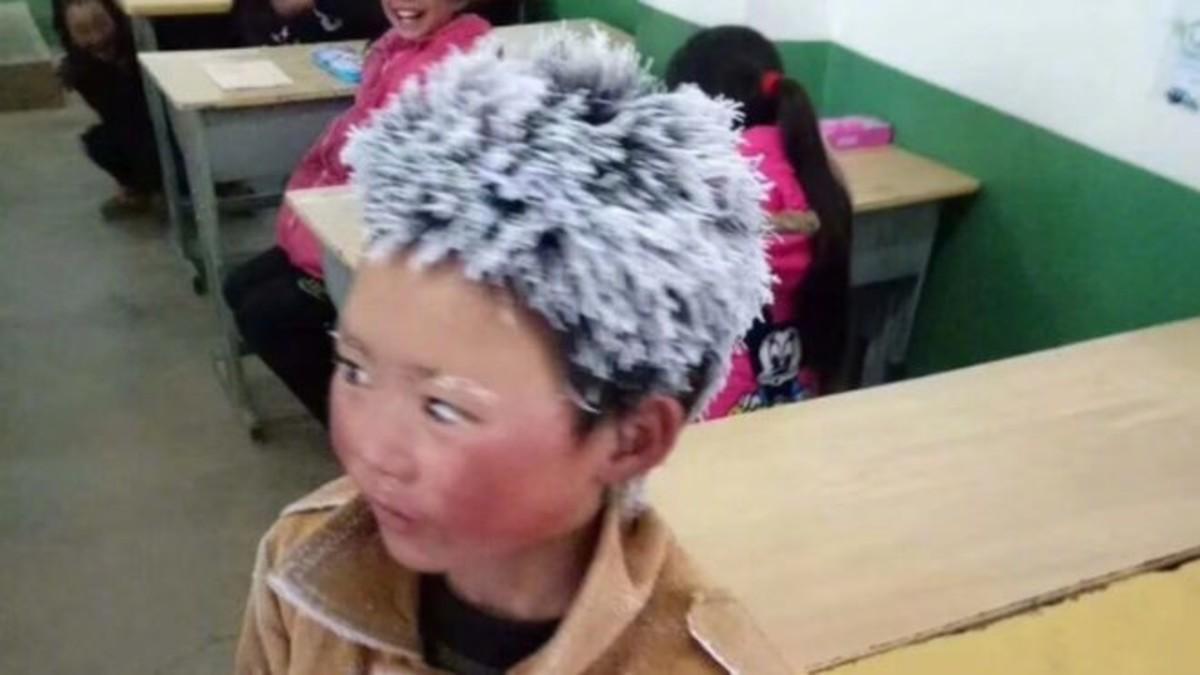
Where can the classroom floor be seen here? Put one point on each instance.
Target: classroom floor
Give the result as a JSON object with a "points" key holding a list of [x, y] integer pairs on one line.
{"points": [[130, 498]]}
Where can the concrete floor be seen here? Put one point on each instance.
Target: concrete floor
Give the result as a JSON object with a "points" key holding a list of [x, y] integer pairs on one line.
{"points": [[130, 498]]}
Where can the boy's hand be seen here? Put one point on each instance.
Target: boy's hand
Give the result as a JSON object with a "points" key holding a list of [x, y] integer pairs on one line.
{"points": [[291, 8]]}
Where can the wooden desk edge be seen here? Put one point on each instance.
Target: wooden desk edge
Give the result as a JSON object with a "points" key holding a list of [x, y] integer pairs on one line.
{"points": [[151, 62], [1019, 608], [156, 10], [265, 101], [957, 183], [968, 187], [299, 200]]}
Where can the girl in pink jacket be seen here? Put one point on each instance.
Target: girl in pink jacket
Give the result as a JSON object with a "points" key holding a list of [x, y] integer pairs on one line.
{"points": [[278, 299], [796, 349]]}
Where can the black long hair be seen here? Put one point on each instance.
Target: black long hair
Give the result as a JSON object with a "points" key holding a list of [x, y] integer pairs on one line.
{"points": [[731, 61], [124, 33]]}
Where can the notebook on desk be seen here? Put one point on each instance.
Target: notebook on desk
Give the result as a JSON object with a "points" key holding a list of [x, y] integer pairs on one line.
{"points": [[239, 75]]}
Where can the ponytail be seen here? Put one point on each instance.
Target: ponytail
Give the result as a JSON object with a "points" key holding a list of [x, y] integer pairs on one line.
{"points": [[823, 299], [741, 64]]}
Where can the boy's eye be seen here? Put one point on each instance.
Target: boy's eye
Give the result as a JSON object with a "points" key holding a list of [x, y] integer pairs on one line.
{"points": [[351, 373], [444, 413]]}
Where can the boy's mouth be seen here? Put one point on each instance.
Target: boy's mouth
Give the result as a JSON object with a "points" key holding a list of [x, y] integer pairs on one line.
{"points": [[390, 518]]}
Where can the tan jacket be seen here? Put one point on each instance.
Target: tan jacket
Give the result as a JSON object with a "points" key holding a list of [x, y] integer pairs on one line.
{"points": [[327, 600]]}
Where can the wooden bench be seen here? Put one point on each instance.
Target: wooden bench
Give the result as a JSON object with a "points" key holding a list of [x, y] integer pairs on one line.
{"points": [[27, 77]]}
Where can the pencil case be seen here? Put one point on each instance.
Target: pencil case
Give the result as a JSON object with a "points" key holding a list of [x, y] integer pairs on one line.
{"points": [[846, 133], [344, 65]]}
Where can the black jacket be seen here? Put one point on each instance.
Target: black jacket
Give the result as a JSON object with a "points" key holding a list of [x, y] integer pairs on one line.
{"points": [[113, 90]]}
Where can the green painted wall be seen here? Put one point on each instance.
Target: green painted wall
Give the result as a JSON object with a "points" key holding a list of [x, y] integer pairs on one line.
{"points": [[659, 34], [624, 14], [41, 10], [1064, 244]]}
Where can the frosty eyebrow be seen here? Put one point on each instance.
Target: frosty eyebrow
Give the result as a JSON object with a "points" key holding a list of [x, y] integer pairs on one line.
{"points": [[348, 340]]}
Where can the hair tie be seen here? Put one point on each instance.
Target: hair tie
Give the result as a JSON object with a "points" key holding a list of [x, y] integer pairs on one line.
{"points": [[770, 83]]}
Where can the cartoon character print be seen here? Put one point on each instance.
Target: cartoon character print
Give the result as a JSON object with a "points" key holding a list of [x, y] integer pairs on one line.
{"points": [[776, 354]]}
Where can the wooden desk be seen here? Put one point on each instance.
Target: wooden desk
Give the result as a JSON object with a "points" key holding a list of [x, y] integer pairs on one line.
{"points": [[891, 177], [854, 524], [182, 78], [897, 199], [878, 179], [159, 8], [238, 135], [142, 14], [896, 195]]}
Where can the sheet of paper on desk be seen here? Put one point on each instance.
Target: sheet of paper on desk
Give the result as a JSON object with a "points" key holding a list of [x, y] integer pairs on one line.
{"points": [[233, 75]]}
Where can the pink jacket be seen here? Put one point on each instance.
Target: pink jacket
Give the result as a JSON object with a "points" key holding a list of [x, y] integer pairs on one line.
{"points": [[766, 370], [390, 63]]}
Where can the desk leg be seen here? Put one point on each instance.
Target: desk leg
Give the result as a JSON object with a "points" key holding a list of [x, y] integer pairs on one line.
{"points": [[923, 224], [181, 234], [891, 255], [191, 127]]}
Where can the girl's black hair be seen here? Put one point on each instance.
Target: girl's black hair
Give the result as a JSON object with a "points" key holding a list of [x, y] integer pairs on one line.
{"points": [[124, 33], [730, 61]]}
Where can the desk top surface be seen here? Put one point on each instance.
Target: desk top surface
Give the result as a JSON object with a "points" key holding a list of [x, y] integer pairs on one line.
{"points": [[153, 8], [182, 78], [890, 177], [879, 179], [857, 523]]}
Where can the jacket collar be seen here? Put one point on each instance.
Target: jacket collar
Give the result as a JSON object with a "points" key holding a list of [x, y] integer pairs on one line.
{"points": [[342, 578]]}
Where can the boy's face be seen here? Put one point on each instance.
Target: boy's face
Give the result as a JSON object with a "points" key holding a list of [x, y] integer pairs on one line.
{"points": [[92, 29], [449, 411], [415, 19]]}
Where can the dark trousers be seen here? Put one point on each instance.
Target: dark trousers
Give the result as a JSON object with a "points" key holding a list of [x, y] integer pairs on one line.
{"points": [[285, 317], [128, 155]]}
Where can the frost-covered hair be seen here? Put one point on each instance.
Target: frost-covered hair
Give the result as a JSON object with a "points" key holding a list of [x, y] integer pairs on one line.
{"points": [[619, 212]]}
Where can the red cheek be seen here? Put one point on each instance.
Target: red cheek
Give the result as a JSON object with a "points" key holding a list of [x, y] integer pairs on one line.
{"points": [[482, 499], [508, 490]]}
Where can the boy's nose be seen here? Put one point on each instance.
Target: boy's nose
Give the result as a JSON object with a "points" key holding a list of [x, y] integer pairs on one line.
{"points": [[386, 444]]}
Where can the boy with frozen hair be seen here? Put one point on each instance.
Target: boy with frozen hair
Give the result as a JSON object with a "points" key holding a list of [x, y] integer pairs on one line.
{"points": [[561, 257]]}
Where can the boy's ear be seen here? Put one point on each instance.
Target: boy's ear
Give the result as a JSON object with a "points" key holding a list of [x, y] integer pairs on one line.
{"points": [[645, 436]]}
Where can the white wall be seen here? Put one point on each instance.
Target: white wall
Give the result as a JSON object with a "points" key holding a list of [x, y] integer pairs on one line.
{"points": [[1083, 68], [1086, 69], [703, 12], [790, 19], [779, 19]]}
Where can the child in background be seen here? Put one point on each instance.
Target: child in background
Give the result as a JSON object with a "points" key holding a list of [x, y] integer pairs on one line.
{"points": [[560, 257], [100, 63], [796, 349], [280, 22], [279, 299]]}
